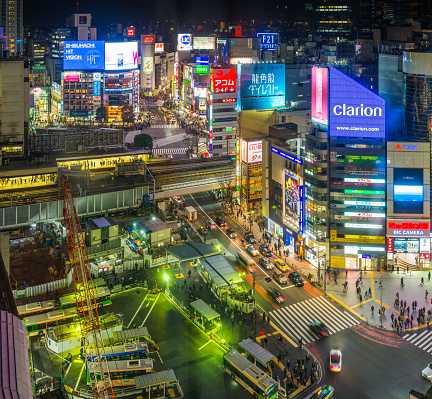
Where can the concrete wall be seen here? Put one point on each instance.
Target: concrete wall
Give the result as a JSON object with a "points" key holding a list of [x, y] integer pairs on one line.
{"points": [[256, 123]]}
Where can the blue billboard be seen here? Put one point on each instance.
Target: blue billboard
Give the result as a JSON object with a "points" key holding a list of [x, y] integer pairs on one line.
{"points": [[268, 41], [262, 86], [81, 56], [354, 110]]}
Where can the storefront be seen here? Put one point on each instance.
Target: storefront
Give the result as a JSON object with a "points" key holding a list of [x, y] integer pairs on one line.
{"points": [[274, 229], [408, 242]]}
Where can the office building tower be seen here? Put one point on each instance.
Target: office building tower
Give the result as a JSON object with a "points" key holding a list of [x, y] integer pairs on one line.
{"points": [[333, 19], [11, 22]]}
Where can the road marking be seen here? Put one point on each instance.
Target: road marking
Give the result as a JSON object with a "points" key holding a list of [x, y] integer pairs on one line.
{"points": [[345, 306], [283, 334], [148, 314], [79, 378], [142, 303], [210, 340], [362, 303]]}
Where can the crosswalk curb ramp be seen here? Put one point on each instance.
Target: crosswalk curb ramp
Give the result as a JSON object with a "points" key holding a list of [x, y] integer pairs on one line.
{"points": [[294, 319]]}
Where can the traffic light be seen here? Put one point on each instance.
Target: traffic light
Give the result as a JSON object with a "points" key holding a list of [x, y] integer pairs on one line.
{"points": [[268, 279], [262, 333]]}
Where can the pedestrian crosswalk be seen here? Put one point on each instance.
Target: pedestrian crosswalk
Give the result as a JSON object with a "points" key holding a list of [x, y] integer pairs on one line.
{"points": [[422, 340], [175, 138], [295, 319], [165, 126], [172, 151]]}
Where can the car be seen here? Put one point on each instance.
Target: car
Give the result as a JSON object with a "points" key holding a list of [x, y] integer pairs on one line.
{"points": [[279, 277], [265, 262], [221, 222], [231, 233], [324, 392], [249, 237], [281, 265], [182, 205], [319, 328], [252, 250], [427, 372], [265, 250], [295, 278], [276, 294], [336, 360], [203, 230], [177, 199], [211, 225]]}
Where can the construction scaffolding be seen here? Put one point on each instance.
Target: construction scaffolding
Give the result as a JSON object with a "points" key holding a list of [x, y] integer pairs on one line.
{"points": [[99, 377]]}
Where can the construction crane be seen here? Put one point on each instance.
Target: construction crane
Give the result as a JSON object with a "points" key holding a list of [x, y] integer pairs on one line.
{"points": [[100, 381]]}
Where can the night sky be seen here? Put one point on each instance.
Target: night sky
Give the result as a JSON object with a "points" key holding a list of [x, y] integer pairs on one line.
{"points": [[125, 11]]}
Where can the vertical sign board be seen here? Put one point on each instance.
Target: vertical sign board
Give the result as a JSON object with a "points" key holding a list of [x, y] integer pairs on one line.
{"points": [[319, 96], [159, 47], [97, 88], [354, 110], [262, 86], [251, 151]]}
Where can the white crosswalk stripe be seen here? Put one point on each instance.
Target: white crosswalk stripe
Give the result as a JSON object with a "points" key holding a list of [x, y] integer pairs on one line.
{"points": [[172, 151], [165, 126], [422, 340], [295, 319], [175, 138]]}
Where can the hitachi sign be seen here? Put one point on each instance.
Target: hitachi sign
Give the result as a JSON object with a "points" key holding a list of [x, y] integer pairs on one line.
{"points": [[357, 111]]}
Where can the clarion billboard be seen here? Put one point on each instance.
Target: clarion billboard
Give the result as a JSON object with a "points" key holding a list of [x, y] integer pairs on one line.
{"points": [[354, 110]]}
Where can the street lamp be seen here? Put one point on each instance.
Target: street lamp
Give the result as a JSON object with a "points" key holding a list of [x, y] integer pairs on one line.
{"points": [[380, 279]]}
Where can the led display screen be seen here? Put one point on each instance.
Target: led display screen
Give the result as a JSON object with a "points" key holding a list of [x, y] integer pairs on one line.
{"points": [[268, 41], [121, 56], [354, 110], [408, 191], [84, 56], [262, 86], [204, 43], [319, 95], [292, 197]]}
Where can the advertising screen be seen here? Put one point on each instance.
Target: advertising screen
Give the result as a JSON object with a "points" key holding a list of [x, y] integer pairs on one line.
{"points": [[204, 43], [121, 56], [148, 64], [319, 95], [83, 56], [408, 191], [262, 86], [251, 151], [71, 77], [223, 80], [355, 111], [184, 42], [268, 41], [292, 196]]}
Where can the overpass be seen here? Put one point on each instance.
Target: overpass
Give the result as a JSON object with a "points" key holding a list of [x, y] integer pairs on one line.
{"points": [[111, 193]]}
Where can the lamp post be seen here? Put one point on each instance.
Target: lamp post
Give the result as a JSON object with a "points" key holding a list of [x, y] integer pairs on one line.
{"points": [[166, 278], [380, 279], [250, 221]]}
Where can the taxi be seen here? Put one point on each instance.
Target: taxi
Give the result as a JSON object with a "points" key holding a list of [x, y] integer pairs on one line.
{"points": [[281, 265]]}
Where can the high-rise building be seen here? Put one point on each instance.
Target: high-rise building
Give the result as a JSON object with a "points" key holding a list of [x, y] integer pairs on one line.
{"points": [[333, 19], [11, 22]]}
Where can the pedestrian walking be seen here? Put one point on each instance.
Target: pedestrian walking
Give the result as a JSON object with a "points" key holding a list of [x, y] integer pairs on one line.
{"points": [[288, 363], [426, 294], [189, 273]]}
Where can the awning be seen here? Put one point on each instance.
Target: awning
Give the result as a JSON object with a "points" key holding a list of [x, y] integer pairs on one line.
{"points": [[152, 379], [130, 334], [191, 251], [220, 271], [257, 351], [205, 310]]}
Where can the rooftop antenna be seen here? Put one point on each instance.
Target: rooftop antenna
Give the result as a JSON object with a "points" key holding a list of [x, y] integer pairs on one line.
{"points": [[77, 7]]}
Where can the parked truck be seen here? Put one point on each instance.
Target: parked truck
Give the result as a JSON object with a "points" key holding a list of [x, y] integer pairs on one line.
{"points": [[191, 213]]}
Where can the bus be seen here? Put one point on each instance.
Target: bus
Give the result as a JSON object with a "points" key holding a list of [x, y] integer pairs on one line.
{"points": [[35, 308], [122, 372], [129, 351], [249, 376], [243, 260], [39, 323], [102, 295]]}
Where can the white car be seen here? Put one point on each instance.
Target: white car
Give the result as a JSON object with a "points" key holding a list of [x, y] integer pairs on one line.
{"points": [[212, 225], [335, 360], [252, 250], [427, 372]]}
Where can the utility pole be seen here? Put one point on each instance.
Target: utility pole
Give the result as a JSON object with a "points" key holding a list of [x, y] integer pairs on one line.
{"points": [[254, 306]]}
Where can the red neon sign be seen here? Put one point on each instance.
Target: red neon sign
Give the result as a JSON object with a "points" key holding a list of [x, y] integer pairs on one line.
{"points": [[147, 39], [130, 32], [409, 226], [229, 100], [224, 80], [390, 241]]}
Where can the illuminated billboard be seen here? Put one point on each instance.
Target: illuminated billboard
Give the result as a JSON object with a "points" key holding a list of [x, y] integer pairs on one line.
{"points": [[202, 65], [81, 56], [223, 80], [121, 56], [251, 151], [319, 95], [148, 64], [184, 42], [268, 41], [262, 86], [408, 190], [292, 197], [203, 43], [354, 110], [159, 47]]}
